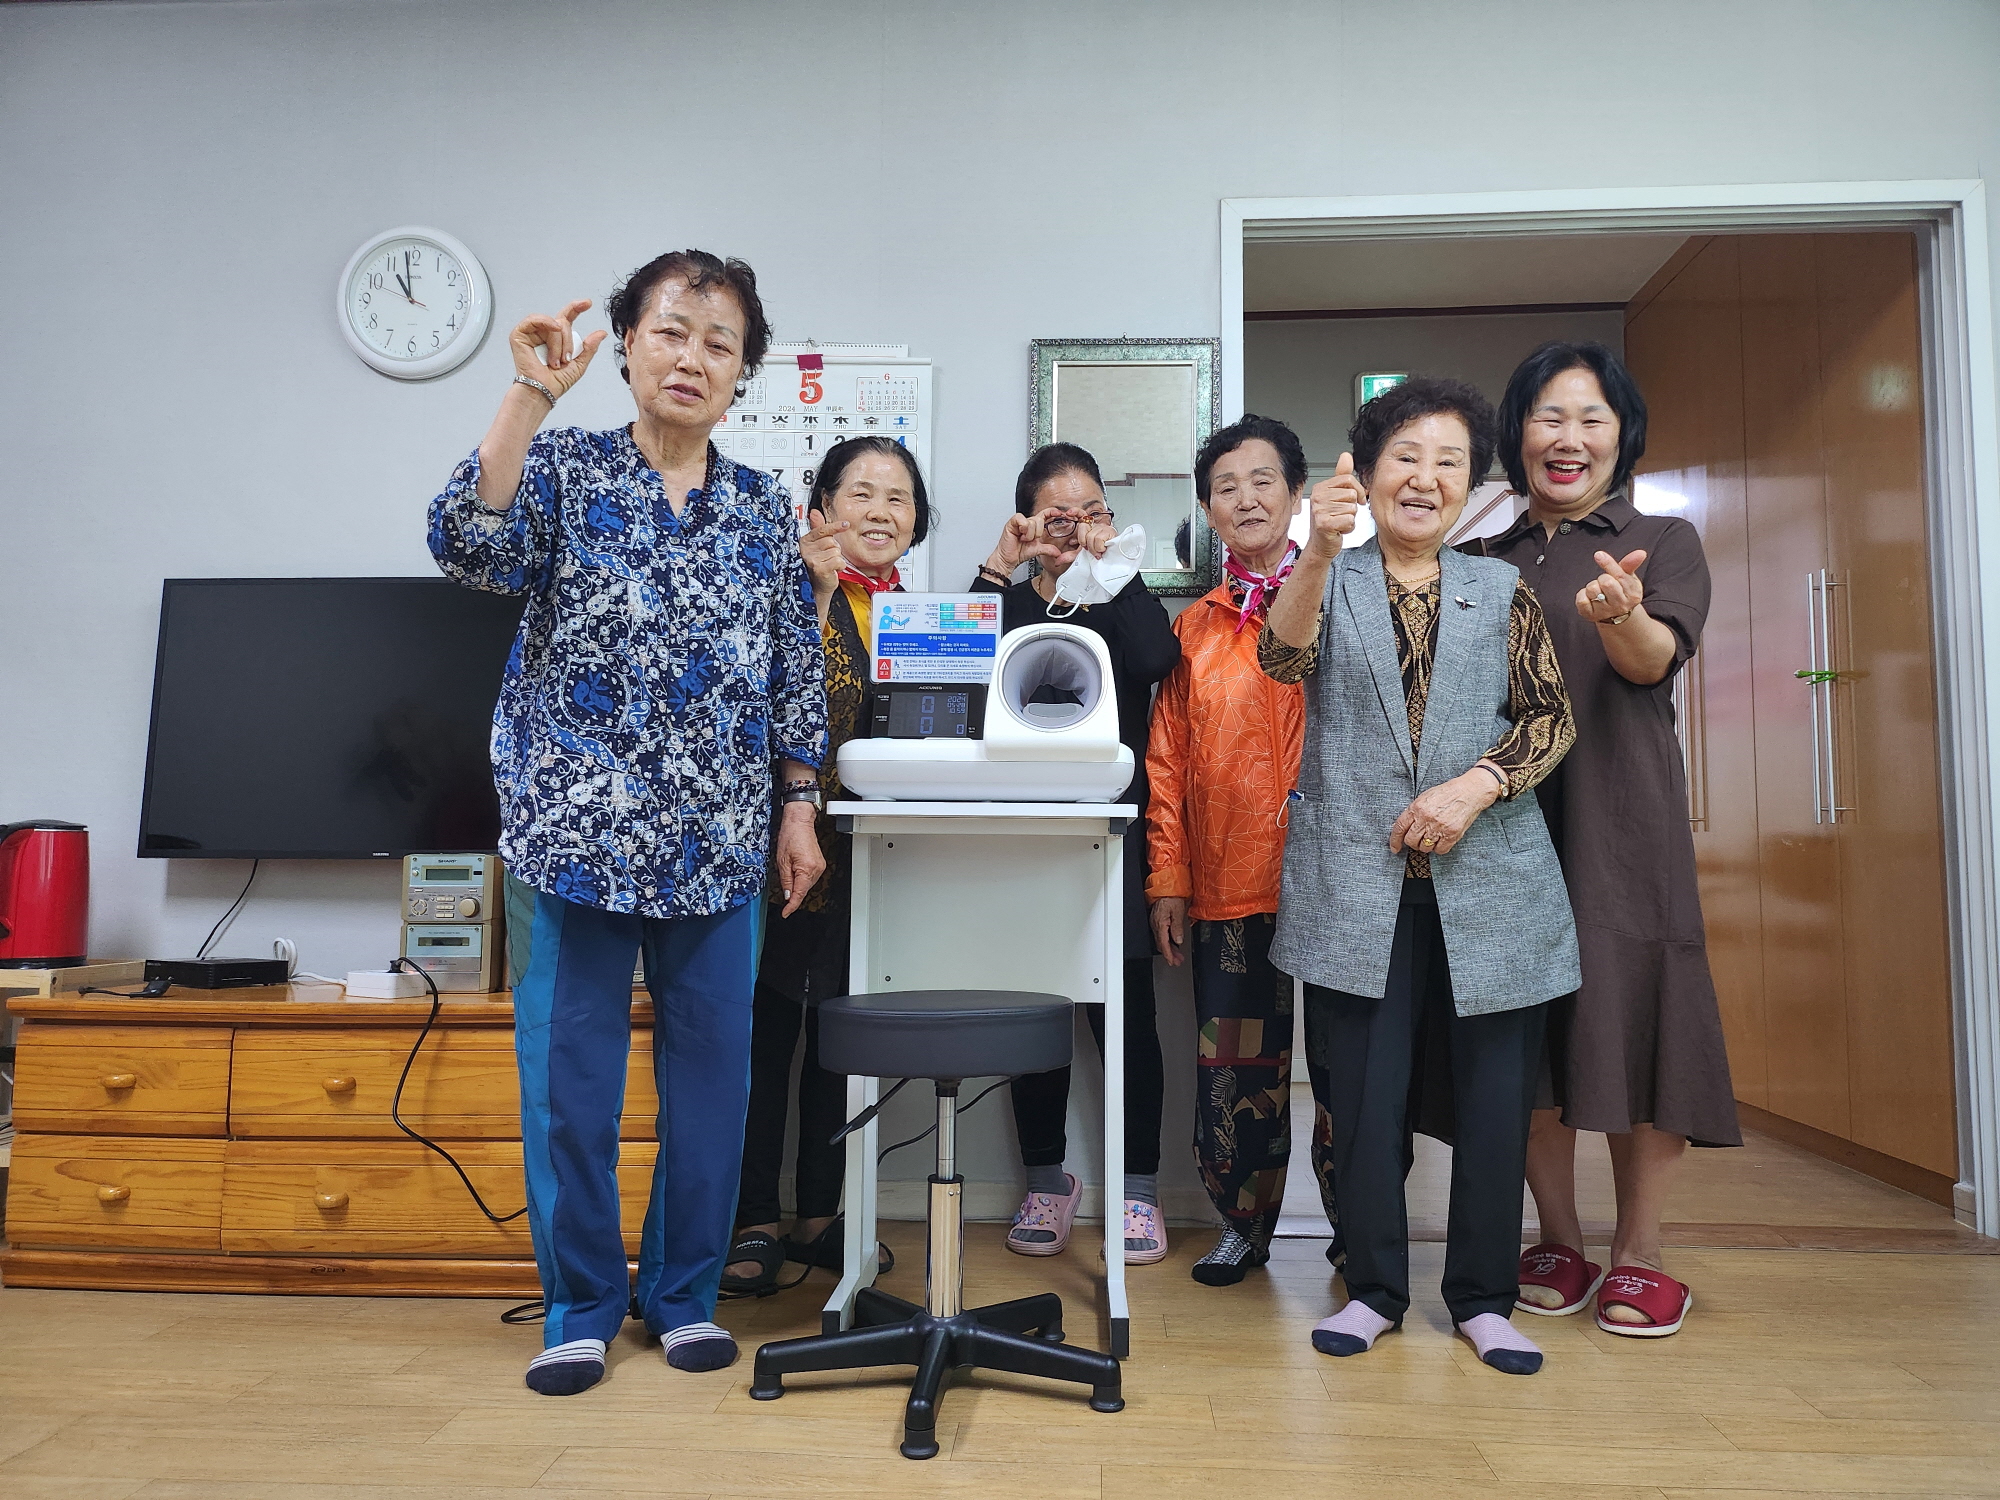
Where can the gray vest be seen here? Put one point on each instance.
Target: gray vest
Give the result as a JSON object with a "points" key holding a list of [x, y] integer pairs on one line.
{"points": [[1505, 912]]}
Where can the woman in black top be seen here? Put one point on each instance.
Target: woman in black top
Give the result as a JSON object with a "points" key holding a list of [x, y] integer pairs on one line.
{"points": [[1059, 511]]}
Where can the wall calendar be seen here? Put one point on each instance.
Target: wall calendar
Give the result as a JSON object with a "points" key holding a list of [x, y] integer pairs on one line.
{"points": [[808, 397]]}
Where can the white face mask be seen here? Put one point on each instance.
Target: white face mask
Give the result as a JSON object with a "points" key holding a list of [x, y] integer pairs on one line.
{"points": [[1097, 580]]}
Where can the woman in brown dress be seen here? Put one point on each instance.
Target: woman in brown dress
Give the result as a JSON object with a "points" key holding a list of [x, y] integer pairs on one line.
{"points": [[1637, 1053]]}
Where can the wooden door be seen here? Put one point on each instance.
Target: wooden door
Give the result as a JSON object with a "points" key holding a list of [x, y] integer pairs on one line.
{"points": [[1885, 746], [1783, 377], [1686, 344], [1805, 1003]]}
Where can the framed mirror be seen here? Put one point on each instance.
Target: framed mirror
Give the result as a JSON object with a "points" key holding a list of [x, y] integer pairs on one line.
{"points": [[1142, 407]]}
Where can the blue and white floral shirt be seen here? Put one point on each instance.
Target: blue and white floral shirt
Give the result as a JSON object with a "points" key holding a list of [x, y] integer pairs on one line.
{"points": [[664, 664]]}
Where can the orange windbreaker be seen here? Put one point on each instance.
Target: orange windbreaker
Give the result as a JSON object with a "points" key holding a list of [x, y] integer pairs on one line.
{"points": [[1223, 753]]}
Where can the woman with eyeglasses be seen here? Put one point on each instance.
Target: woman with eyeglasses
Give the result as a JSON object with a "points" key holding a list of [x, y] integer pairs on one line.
{"points": [[1059, 513]]}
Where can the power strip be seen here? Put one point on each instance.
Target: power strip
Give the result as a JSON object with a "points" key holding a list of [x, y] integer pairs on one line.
{"points": [[380, 984]]}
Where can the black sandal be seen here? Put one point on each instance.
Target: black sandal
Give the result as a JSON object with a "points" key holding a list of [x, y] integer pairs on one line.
{"points": [[827, 1250], [770, 1257]]}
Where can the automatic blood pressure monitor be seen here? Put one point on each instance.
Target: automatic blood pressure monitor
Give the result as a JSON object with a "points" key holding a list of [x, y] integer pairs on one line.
{"points": [[1044, 728]]}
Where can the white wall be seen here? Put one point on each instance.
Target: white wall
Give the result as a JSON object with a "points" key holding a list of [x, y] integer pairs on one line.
{"points": [[181, 183]]}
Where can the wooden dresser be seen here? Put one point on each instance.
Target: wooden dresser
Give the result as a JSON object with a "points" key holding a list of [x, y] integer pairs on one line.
{"points": [[241, 1142]]}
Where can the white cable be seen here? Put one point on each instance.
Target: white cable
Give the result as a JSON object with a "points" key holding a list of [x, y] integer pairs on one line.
{"points": [[286, 949]]}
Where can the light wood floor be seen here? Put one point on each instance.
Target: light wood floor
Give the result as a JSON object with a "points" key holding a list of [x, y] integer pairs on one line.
{"points": [[1800, 1371]]}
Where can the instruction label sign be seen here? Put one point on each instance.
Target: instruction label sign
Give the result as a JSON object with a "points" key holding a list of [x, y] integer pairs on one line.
{"points": [[936, 637]]}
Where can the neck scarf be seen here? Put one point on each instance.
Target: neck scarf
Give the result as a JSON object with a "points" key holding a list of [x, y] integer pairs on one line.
{"points": [[1258, 588], [872, 585]]}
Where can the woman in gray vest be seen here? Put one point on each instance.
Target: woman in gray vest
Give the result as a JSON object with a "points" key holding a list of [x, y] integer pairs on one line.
{"points": [[1422, 902]]}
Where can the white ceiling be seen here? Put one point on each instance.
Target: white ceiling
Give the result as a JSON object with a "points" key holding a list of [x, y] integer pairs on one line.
{"points": [[1450, 271]]}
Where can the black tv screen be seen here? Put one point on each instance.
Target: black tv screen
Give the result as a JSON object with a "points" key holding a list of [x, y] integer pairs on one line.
{"points": [[324, 718]]}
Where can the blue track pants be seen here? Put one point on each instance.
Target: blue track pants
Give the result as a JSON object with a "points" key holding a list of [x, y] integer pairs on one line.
{"points": [[572, 1036]]}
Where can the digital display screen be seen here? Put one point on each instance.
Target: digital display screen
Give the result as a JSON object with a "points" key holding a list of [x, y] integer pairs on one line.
{"points": [[430, 875], [928, 715], [444, 942]]}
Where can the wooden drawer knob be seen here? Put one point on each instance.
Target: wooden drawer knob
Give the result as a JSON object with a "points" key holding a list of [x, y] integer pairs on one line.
{"points": [[113, 1194], [337, 1085], [329, 1201], [117, 1083]]}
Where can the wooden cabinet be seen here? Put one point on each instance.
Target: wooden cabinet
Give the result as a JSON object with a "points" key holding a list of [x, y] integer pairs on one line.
{"points": [[245, 1143], [1784, 377]]}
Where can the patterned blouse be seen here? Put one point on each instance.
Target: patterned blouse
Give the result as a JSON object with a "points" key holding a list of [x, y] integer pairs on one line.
{"points": [[664, 664], [1543, 727]]}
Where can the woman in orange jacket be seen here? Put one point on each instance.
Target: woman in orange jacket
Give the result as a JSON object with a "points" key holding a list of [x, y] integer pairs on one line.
{"points": [[1224, 753]]}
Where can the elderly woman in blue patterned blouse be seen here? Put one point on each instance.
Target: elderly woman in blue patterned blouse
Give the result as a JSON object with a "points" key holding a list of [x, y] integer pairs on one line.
{"points": [[669, 667]]}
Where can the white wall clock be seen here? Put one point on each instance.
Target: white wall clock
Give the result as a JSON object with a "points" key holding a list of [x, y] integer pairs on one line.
{"points": [[414, 303]]}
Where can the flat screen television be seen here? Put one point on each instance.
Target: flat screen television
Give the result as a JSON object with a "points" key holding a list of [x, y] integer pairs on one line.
{"points": [[323, 718]]}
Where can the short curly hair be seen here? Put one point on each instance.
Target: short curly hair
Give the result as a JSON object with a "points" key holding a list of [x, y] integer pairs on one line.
{"points": [[1246, 429], [1412, 400], [700, 270]]}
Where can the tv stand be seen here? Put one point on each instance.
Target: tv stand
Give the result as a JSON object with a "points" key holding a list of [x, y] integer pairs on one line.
{"points": [[240, 1141]]}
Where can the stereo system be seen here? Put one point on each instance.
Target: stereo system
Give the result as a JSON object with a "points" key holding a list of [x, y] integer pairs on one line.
{"points": [[452, 921]]}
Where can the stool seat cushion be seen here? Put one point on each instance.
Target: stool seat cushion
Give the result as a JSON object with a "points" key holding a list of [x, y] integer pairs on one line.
{"points": [[944, 1033]]}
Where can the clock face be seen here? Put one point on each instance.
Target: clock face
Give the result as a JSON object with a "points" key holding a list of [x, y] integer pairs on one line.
{"points": [[414, 303]]}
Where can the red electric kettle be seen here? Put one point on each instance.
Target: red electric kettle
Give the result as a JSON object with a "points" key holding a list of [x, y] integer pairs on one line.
{"points": [[44, 893]]}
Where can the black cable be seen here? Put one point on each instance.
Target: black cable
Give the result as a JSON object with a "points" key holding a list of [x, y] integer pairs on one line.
{"points": [[883, 1154], [396, 1103], [234, 907], [526, 1312]]}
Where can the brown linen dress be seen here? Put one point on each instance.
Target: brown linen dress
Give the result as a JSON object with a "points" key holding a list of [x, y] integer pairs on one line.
{"points": [[1641, 1042]]}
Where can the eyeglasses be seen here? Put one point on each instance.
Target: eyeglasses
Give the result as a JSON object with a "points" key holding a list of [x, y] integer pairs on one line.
{"points": [[1060, 525]]}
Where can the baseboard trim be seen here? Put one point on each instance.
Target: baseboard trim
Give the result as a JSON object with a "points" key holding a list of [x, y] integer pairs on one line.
{"points": [[1911, 1178]]}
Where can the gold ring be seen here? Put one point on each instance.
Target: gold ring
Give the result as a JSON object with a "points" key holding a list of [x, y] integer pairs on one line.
{"points": [[1430, 840]]}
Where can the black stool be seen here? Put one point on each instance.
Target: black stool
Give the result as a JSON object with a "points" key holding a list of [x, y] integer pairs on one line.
{"points": [[946, 1036]]}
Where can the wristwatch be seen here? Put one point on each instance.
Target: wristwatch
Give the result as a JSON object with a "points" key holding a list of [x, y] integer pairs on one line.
{"points": [[799, 791]]}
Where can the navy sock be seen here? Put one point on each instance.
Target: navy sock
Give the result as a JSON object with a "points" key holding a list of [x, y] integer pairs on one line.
{"points": [[568, 1368], [699, 1346]]}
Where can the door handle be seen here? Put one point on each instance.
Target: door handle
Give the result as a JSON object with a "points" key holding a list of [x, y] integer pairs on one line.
{"points": [[1814, 676], [337, 1085], [117, 1083], [113, 1194], [329, 1201]]}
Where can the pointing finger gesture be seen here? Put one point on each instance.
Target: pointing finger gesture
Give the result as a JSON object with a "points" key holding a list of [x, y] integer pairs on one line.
{"points": [[1615, 592]]}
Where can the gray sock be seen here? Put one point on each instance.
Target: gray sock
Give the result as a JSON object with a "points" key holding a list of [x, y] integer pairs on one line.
{"points": [[1051, 1180], [1143, 1187]]}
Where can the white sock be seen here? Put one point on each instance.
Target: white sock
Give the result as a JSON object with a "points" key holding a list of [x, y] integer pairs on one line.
{"points": [[1500, 1344], [1352, 1330]]}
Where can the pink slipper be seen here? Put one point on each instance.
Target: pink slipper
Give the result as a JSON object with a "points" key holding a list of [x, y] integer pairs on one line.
{"points": [[1144, 1221], [1564, 1272], [1663, 1301], [1041, 1224]]}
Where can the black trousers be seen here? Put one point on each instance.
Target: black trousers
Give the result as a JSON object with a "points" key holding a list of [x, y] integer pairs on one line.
{"points": [[776, 1022], [1041, 1100], [1374, 1056]]}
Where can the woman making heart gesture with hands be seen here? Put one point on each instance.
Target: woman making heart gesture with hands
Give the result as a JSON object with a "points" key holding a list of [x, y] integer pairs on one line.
{"points": [[1637, 1052]]}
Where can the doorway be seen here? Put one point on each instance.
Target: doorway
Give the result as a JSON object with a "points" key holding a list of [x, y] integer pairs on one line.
{"points": [[1839, 445]]}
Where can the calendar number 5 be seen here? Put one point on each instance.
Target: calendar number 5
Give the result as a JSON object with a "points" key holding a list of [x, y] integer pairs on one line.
{"points": [[809, 391]]}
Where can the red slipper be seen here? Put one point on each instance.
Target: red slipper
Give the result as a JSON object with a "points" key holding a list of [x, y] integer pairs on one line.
{"points": [[1564, 1272], [1661, 1300]]}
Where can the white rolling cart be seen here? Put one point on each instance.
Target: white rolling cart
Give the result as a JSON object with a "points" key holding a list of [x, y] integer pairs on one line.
{"points": [[988, 855], [989, 895]]}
